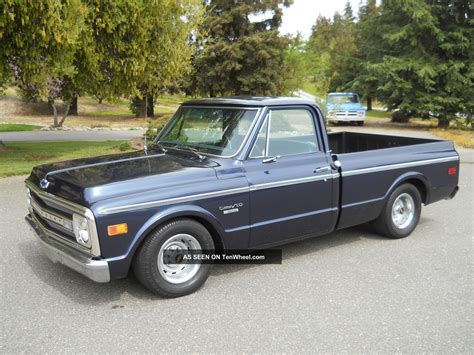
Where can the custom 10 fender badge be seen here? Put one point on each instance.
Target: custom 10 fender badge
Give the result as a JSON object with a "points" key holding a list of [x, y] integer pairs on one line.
{"points": [[231, 208]]}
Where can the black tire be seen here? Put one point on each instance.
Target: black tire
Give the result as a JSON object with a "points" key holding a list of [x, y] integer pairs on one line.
{"points": [[360, 123], [385, 224], [145, 264]]}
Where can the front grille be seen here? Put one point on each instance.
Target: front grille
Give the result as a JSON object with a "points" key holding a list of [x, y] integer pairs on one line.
{"points": [[55, 217], [346, 113], [59, 225]]}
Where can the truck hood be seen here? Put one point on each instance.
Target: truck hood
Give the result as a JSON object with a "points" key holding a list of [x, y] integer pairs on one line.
{"points": [[89, 180]]}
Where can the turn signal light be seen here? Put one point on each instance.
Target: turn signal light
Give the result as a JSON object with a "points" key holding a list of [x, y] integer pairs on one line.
{"points": [[452, 170], [116, 229]]}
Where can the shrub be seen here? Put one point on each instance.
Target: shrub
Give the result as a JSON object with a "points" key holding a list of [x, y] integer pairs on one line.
{"points": [[155, 125]]}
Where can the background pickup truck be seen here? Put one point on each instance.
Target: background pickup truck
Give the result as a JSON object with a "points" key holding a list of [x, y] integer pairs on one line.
{"points": [[345, 107], [230, 173]]}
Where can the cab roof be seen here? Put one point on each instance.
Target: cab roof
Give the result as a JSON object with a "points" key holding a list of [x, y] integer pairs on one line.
{"points": [[254, 101]]}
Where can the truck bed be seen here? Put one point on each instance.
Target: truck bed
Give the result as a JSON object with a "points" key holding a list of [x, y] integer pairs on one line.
{"points": [[372, 165], [350, 142]]}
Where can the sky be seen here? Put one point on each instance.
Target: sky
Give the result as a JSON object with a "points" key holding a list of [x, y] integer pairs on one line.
{"points": [[302, 15]]}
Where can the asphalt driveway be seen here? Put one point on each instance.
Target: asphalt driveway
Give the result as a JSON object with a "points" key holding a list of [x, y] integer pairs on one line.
{"points": [[351, 291]]}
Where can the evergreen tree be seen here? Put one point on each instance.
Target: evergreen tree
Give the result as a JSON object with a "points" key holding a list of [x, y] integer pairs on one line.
{"points": [[240, 49], [427, 67], [367, 37]]}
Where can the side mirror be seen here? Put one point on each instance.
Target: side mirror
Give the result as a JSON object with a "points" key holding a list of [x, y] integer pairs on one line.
{"points": [[270, 160]]}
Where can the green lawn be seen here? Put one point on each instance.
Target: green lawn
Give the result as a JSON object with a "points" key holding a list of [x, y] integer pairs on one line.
{"points": [[12, 127], [18, 158], [379, 114]]}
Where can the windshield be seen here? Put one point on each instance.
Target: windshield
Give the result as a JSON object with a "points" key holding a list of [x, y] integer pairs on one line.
{"points": [[343, 99], [217, 131]]}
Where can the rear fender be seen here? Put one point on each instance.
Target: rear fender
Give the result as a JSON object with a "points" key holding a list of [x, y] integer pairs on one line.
{"points": [[416, 177]]}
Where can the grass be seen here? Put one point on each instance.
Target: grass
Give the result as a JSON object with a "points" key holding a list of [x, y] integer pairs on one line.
{"points": [[462, 138], [14, 127], [379, 114], [18, 158]]}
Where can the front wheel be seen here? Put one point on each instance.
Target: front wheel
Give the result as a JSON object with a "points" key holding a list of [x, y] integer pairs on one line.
{"points": [[159, 265], [401, 213], [360, 123]]}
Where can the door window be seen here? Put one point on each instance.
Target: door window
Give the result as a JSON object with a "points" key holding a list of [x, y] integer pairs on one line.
{"points": [[286, 132]]}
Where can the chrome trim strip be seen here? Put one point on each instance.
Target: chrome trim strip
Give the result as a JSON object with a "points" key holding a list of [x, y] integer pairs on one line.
{"points": [[169, 201], [271, 185], [282, 219], [397, 166], [75, 208]]}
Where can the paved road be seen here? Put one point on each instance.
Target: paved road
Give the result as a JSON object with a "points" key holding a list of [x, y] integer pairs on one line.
{"points": [[35, 136], [351, 291]]}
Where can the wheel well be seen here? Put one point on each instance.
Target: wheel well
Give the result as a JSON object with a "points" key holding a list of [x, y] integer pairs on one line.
{"points": [[218, 243], [420, 186]]}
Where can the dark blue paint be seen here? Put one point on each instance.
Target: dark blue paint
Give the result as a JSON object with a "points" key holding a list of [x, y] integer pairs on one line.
{"points": [[267, 217]]}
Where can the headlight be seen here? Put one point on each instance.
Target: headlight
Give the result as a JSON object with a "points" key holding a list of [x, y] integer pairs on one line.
{"points": [[360, 114], [81, 229]]}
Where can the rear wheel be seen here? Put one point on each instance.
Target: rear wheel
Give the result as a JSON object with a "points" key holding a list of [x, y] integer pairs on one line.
{"points": [[401, 213], [159, 265]]}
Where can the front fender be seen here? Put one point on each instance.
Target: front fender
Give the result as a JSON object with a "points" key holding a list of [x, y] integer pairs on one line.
{"points": [[120, 265]]}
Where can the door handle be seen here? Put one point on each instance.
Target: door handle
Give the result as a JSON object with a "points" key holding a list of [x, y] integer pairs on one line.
{"points": [[322, 170]]}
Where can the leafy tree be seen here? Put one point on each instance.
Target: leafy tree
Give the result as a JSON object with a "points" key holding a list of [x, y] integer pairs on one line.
{"points": [[427, 67], [38, 42], [341, 49], [331, 47], [317, 52], [137, 48], [296, 63], [240, 50]]}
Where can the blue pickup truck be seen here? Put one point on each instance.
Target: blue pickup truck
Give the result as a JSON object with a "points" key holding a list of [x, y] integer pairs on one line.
{"points": [[345, 107], [230, 173]]}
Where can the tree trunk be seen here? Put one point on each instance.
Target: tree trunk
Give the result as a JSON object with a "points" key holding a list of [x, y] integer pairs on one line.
{"points": [[66, 111], [141, 109], [55, 112], [443, 123], [73, 108], [150, 107], [369, 103]]}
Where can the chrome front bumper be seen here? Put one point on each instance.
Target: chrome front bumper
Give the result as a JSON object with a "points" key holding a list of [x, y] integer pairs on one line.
{"points": [[95, 269], [346, 119]]}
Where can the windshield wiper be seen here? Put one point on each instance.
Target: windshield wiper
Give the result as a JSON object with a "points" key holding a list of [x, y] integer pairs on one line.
{"points": [[188, 148], [193, 150], [159, 145]]}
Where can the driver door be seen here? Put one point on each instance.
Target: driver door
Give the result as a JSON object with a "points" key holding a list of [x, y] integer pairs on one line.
{"points": [[291, 185]]}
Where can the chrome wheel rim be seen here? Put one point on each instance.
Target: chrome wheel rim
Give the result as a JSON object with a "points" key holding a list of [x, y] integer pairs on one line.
{"points": [[403, 211], [170, 259]]}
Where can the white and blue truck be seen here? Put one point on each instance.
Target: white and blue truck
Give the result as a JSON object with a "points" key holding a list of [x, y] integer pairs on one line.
{"points": [[345, 107]]}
